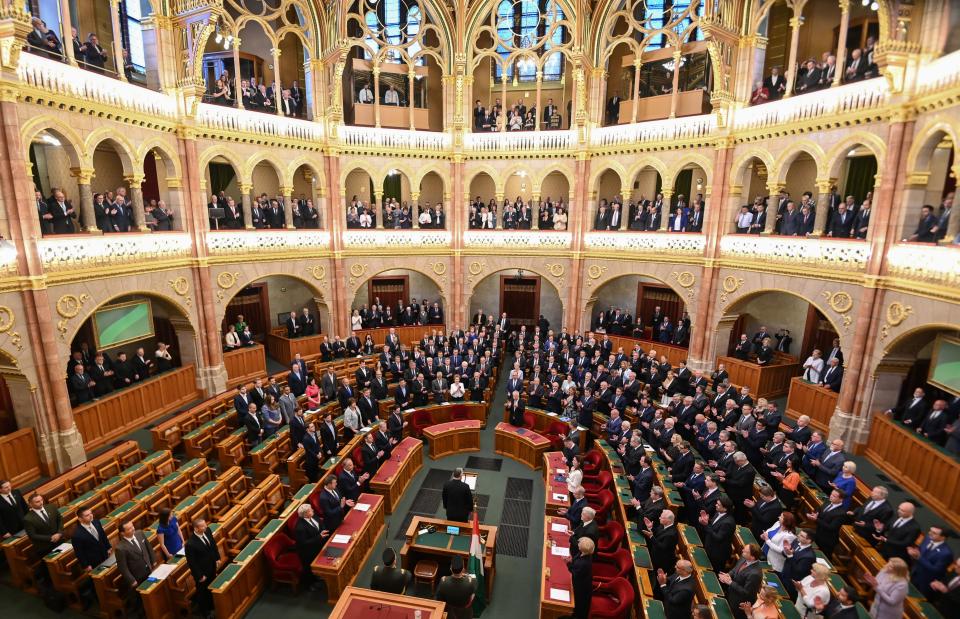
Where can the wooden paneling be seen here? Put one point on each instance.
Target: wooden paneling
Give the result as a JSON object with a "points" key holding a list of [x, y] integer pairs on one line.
{"points": [[101, 421], [925, 469], [765, 381], [19, 458], [810, 399], [674, 354], [284, 350], [244, 364], [406, 334]]}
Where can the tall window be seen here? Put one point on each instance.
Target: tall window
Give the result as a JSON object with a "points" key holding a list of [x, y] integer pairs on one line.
{"points": [[131, 18], [521, 24], [661, 13], [394, 22]]}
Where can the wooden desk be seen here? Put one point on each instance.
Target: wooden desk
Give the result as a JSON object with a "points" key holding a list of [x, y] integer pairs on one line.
{"points": [[442, 413], [395, 474], [453, 437], [364, 528], [542, 420], [555, 575], [244, 364], [520, 444], [356, 602], [810, 399], [284, 349], [553, 464], [674, 354], [442, 546], [765, 381]]}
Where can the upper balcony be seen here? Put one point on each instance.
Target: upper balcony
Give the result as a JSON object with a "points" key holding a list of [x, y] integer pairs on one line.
{"points": [[230, 122]]}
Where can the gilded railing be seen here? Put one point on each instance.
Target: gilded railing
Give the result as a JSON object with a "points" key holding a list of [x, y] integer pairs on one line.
{"points": [[229, 119], [394, 139], [660, 243], [517, 239], [59, 78], [530, 142], [832, 254], [254, 242], [932, 264], [70, 252], [667, 130], [396, 239], [940, 75]]}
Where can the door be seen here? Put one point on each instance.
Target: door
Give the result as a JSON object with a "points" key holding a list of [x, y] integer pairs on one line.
{"points": [[520, 299], [390, 290], [253, 303]]}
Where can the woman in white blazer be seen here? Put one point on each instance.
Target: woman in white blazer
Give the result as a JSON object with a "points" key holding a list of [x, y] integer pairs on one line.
{"points": [[784, 530]]}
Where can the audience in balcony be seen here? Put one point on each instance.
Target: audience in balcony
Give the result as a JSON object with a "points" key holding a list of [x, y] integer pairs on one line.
{"points": [[44, 41], [645, 215], [519, 117], [813, 75], [396, 215], [57, 215], [517, 215], [775, 84], [93, 374], [378, 315]]}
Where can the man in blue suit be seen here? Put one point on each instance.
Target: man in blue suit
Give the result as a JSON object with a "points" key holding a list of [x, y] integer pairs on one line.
{"points": [[241, 401], [642, 482], [297, 380], [829, 465], [814, 451], [333, 505], [931, 559], [90, 542], [575, 512]]}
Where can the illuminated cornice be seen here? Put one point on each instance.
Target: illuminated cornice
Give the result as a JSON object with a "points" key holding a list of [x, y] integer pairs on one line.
{"points": [[75, 252], [396, 239], [249, 243]]}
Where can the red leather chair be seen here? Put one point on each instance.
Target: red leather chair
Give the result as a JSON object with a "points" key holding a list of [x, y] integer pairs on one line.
{"points": [[285, 566], [602, 502], [357, 457], [419, 421], [553, 433], [460, 413], [591, 462], [529, 420], [601, 481], [609, 566], [290, 526], [612, 599], [610, 538]]}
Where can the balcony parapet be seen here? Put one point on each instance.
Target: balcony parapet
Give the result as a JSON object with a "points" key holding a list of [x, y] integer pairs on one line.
{"points": [[224, 119], [939, 76], [528, 142], [108, 252], [936, 266], [688, 128], [517, 240], [248, 243], [397, 239], [834, 255], [662, 244], [380, 139]]}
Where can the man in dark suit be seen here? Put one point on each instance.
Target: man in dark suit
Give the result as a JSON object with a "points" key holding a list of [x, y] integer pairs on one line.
{"points": [[765, 512], [328, 436], [516, 408], [642, 482], [900, 533], [829, 518], [911, 412], [348, 484], [876, 509], [588, 528], [457, 590], [311, 453], [297, 380], [457, 498], [844, 605], [574, 513], [931, 559], [833, 376], [333, 505], [135, 558], [12, 510], [926, 228], [934, 425], [44, 525], [662, 540], [388, 577], [90, 543], [800, 557], [739, 484], [841, 224], [677, 590], [744, 580], [718, 533], [203, 558], [946, 596], [862, 221], [82, 385], [309, 537], [63, 214], [775, 84], [294, 328]]}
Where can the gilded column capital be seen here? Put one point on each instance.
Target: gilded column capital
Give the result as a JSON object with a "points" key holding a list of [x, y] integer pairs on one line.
{"points": [[286, 192], [844, 5], [174, 183], [795, 22], [775, 187], [667, 193], [735, 190], [415, 196], [824, 184], [378, 195], [275, 51], [499, 197], [83, 175], [246, 188], [134, 180]]}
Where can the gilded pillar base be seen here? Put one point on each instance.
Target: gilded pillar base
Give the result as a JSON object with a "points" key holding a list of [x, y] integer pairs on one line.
{"points": [[212, 379], [62, 450]]}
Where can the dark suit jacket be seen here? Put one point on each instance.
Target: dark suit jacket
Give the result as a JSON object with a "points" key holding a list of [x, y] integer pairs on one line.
{"points": [[90, 551], [202, 558], [642, 483], [332, 510], [898, 539], [347, 485], [798, 566], [718, 538], [584, 530], [308, 539], [832, 380], [457, 500], [678, 596], [40, 531], [745, 585], [663, 546], [11, 516], [828, 527], [135, 564]]}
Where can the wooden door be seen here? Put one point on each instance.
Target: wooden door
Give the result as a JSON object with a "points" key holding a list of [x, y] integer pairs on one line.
{"points": [[390, 290], [253, 302], [649, 296], [520, 299]]}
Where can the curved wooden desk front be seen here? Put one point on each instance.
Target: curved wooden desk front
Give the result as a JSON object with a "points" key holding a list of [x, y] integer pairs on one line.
{"points": [[395, 474], [543, 419], [443, 413], [520, 444], [357, 602], [453, 437]]}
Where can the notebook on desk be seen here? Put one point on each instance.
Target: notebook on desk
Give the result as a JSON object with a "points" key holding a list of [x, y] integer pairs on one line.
{"points": [[332, 552]]}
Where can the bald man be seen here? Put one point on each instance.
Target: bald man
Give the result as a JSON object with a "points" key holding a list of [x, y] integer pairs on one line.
{"points": [[677, 590]]}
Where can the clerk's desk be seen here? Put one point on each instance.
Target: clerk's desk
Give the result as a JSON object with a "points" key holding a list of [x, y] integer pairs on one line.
{"points": [[442, 546], [368, 604]]}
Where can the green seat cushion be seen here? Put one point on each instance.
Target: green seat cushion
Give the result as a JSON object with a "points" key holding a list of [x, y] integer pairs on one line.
{"points": [[641, 558]]}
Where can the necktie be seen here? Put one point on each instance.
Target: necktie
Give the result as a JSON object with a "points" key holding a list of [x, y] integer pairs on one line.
{"points": [[9, 499], [898, 523], [43, 514], [92, 530]]}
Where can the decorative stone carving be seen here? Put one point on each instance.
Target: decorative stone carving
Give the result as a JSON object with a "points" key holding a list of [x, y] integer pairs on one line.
{"points": [[68, 306], [841, 303], [896, 313], [226, 279], [686, 279], [6, 318], [556, 270], [730, 285], [182, 287], [439, 268], [659, 243], [595, 272]]}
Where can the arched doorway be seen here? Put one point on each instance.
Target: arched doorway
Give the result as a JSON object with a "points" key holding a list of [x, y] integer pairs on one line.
{"points": [[638, 298], [936, 161], [430, 200], [609, 190], [360, 199], [483, 192], [306, 213], [224, 202], [396, 289], [524, 295], [52, 156]]}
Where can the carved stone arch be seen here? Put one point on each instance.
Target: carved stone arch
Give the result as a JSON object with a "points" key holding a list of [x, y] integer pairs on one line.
{"points": [[556, 166], [615, 166], [475, 170], [491, 266], [435, 168], [316, 167], [649, 161], [437, 270], [221, 150], [781, 165], [698, 160], [167, 152], [375, 175], [836, 155], [918, 159], [240, 278], [242, 22], [255, 160], [71, 142], [740, 164], [123, 148]]}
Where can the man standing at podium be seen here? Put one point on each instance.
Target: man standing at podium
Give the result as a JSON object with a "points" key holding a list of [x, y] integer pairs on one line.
{"points": [[457, 498]]}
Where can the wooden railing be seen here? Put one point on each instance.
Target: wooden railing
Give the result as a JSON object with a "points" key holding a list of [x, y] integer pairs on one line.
{"points": [[923, 468], [103, 420], [284, 349], [406, 334], [809, 399], [244, 364], [765, 381], [674, 354], [19, 458]]}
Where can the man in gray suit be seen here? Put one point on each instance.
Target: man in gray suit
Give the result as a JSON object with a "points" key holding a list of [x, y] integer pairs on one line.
{"points": [[135, 558], [44, 525], [288, 405]]}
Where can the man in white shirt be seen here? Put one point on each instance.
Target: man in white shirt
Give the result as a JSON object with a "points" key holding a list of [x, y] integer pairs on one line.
{"points": [[366, 95], [744, 220], [813, 367], [392, 97]]}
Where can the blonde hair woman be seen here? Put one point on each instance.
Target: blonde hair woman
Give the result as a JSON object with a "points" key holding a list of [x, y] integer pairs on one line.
{"points": [[813, 588], [891, 585], [765, 607]]}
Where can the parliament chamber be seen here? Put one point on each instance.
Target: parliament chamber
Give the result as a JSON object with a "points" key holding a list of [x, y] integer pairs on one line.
{"points": [[480, 308]]}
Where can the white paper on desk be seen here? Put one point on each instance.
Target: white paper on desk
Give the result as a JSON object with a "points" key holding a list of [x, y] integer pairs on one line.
{"points": [[553, 414], [560, 497], [180, 553], [63, 547], [361, 507], [561, 471], [110, 561], [824, 563], [162, 571], [366, 428], [560, 551], [558, 527], [559, 594], [340, 539], [471, 481]]}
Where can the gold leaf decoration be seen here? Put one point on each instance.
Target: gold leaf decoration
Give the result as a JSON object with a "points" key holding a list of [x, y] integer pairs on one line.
{"points": [[357, 269], [226, 279], [556, 270], [69, 305], [439, 268], [475, 268], [684, 278], [595, 271], [318, 272], [730, 285], [180, 286], [6, 318]]}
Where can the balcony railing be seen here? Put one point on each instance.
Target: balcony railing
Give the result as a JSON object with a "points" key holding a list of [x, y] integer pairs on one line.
{"points": [[940, 75], [846, 99], [516, 240], [834, 254], [222, 118], [668, 130], [932, 264], [71, 252], [59, 78], [519, 141], [660, 243], [394, 139], [260, 242], [396, 239]]}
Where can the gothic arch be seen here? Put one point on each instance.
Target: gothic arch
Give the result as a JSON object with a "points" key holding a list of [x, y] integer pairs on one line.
{"points": [[836, 155], [243, 278], [171, 161], [918, 160], [788, 156], [70, 141], [120, 145]]}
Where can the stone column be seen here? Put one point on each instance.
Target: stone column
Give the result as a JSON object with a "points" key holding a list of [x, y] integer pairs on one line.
{"points": [[277, 95], [136, 200], [665, 209], [791, 74], [823, 206], [246, 205], [415, 208], [236, 71], [773, 193], [117, 39], [953, 227], [734, 202], [66, 27], [842, 41], [411, 75], [176, 203], [635, 95], [287, 193], [499, 200], [535, 212], [377, 207], [677, 57], [539, 114], [88, 219], [376, 104]]}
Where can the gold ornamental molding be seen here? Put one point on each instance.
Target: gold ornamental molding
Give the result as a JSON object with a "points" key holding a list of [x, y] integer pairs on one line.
{"points": [[68, 306], [594, 272], [439, 268], [6, 318], [730, 285], [181, 286], [356, 271], [897, 312], [319, 272], [556, 270], [840, 302], [225, 280], [686, 279]]}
